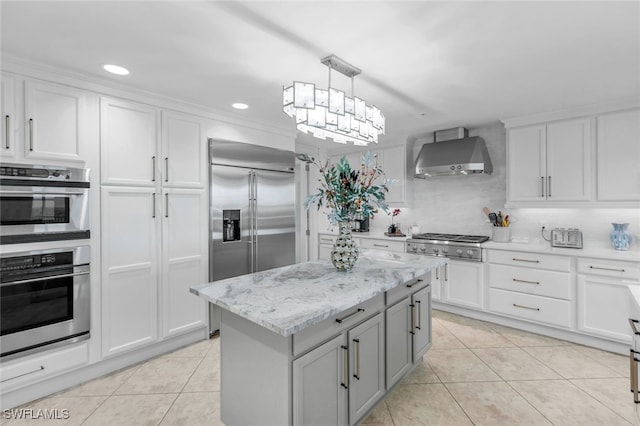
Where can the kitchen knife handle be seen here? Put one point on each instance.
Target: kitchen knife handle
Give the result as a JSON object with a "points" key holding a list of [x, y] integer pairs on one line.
{"points": [[542, 186], [549, 186], [7, 131]]}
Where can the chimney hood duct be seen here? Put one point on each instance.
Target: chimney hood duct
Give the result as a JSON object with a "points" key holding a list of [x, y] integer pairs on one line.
{"points": [[467, 155]]}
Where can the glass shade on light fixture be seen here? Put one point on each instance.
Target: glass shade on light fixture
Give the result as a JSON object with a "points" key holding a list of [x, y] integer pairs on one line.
{"points": [[331, 114]]}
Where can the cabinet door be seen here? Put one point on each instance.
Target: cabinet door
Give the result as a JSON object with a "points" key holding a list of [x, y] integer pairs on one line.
{"points": [[184, 156], [184, 259], [568, 160], [130, 225], [366, 366], [603, 307], [421, 301], [9, 125], [55, 118], [324, 251], [128, 143], [398, 341], [525, 164], [320, 382], [464, 284], [618, 156], [395, 168]]}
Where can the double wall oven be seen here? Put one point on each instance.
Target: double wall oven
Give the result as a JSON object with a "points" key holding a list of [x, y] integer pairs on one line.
{"points": [[44, 286]]}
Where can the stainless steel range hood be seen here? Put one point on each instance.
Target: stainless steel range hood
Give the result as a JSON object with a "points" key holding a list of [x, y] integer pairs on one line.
{"points": [[467, 155]]}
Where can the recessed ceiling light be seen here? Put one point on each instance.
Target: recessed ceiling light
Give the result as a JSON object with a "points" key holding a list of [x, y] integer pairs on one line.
{"points": [[116, 69], [239, 105]]}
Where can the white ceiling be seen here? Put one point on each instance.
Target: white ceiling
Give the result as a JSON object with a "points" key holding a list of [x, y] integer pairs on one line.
{"points": [[458, 63]]}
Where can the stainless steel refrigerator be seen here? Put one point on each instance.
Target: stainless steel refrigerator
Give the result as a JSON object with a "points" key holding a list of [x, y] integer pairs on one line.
{"points": [[252, 211]]}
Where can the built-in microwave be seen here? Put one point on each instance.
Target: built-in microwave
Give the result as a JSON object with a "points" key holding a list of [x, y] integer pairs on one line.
{"points": [[44, 299], [43, 203]]}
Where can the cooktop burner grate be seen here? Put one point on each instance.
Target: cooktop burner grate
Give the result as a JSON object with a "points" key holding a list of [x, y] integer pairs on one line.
{"points": [[452, 237]]}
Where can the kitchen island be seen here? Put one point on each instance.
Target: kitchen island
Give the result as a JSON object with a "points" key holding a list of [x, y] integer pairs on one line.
{"points": [[306, 344]]}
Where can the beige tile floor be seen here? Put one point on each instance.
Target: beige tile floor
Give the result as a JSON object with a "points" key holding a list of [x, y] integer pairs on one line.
{"points": [[476, 373]]}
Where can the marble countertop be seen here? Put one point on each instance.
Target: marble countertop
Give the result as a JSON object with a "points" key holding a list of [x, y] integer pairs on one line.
{"points": [[589, 250], [288, 299]]}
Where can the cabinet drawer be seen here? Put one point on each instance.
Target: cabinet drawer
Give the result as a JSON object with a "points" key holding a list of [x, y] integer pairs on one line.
{"points": [[407, 289], [531, 281], [13, 374], [530, 260], [318, 333], [608, 268], [527, 306], [396, 246]]}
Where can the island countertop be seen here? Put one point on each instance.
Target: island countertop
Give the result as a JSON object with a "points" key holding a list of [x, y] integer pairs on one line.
{"points": [[288, 299]]}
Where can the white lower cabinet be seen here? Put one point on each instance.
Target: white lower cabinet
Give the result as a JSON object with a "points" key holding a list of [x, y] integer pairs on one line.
{"points": [[325, 244], [603, 297], [463, 283], [338, 382]]}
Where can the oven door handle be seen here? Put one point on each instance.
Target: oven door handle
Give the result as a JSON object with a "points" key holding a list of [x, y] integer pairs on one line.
{"points": [[31, 280], [41, 193]]}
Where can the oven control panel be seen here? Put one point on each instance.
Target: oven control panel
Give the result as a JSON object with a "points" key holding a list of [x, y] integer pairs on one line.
{"points": [[22, 263], [35, 173]]}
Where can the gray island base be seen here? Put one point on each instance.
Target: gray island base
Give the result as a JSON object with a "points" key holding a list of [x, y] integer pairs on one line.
{"points": [[305, 344]]}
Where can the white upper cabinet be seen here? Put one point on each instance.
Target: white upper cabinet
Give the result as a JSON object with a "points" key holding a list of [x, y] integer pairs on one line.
{"points": [[184, 144], [568, 160], [526, 152], [55, 120], [618, 156], [550, 162], [129, 143], [9, 125]]}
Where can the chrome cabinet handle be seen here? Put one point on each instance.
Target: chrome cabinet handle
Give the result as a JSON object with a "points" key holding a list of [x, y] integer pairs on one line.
{"points": [[606, 269], [515, 259], [329, 240], [345, 367], [549, 186], [437, 273], [153, 204], [153, 168], [542, 186], [31, 134], [356, 374], [633, 323], [24, 374], [348, 317], [380, 245], [7, 131], [526, 307], [419, 326], [50, 277], [633, 366], [166, 204], [525, 281], [166, 169], [414, 283], [413, 321], [446, 273]]}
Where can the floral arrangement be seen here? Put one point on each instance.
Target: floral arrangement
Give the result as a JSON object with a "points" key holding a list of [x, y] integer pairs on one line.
{"points": [[394, 213], [392, 228], [349, 192]]}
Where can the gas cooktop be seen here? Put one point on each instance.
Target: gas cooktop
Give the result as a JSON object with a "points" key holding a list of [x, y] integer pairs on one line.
{"points": [[454, 238]]}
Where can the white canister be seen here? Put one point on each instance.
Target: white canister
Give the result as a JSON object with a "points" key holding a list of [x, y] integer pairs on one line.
{"points": [[501, 234]]}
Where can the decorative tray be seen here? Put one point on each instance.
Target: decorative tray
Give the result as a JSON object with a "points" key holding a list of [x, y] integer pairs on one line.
{"points": [[394, 235]]}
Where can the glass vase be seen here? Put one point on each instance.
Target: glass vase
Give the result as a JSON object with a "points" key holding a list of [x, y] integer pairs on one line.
{"points": [[345, 251], [620, 237]]}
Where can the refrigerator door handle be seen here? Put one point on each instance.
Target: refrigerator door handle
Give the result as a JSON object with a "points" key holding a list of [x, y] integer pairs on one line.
{"points": [[250, 222], [255, 220]]}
